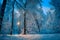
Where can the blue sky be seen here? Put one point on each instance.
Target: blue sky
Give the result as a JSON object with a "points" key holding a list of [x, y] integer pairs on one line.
{"points": [[46, 6], [46, 3], [1, 1]]}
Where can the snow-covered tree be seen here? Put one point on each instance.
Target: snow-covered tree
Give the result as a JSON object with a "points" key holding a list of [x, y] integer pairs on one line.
{"points": [[2, 12], [56, 5]]}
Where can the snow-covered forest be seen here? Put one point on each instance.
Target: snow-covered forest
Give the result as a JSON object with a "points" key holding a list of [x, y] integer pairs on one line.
{"points": [[29, 17]]}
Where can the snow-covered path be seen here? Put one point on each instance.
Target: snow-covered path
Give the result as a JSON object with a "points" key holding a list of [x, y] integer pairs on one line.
{"points": [[31, 37]]}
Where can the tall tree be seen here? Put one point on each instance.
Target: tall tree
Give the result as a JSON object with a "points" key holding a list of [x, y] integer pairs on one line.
{"points": [[38, 9], [12, 16], [31, 2], [2, 12]]}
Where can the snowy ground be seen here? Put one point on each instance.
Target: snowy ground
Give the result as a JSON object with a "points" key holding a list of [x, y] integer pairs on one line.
{"points": [[31, 37]]}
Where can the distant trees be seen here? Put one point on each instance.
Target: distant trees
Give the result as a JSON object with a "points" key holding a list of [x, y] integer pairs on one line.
{"points": [[56, 5], [50, 21]]}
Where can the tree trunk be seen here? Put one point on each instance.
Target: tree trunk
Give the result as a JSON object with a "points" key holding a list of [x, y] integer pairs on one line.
{"points": [[25, 18], [2, 12], [12, 17]]}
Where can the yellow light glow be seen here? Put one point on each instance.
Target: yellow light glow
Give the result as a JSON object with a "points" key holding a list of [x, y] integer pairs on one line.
{"points": [[18, 23]]}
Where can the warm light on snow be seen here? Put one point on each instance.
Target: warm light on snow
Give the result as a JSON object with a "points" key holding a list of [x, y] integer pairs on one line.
{"points": [[27, 35]]}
